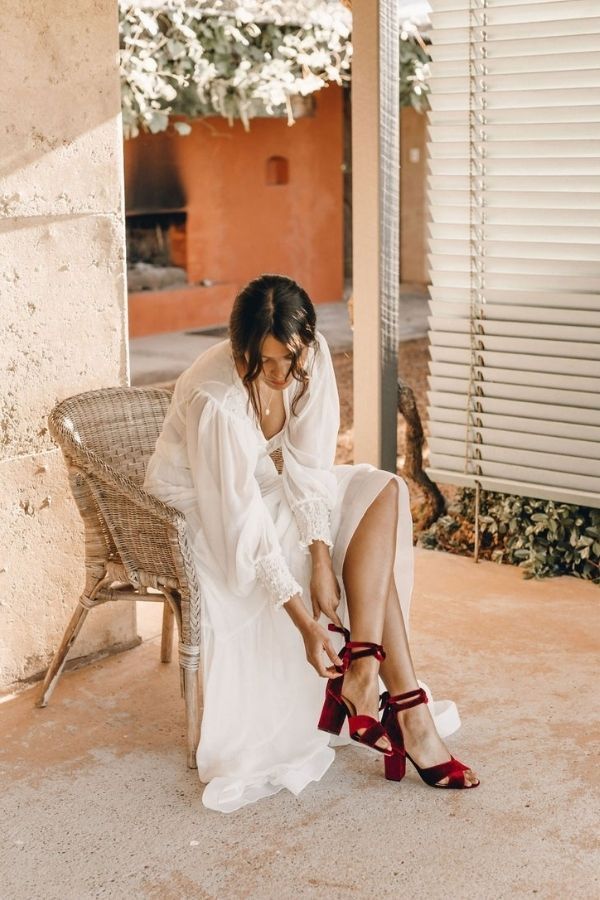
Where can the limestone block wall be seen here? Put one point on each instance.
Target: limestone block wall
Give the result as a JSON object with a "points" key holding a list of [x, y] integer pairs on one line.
{"points": [[62, 307]]}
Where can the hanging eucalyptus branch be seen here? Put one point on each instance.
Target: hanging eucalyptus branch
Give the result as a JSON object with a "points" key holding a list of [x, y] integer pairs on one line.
{"points": [[198, 58], [414, 68], [195, 58]]}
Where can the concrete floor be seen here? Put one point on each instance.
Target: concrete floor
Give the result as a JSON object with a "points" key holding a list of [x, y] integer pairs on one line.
{"points": [[97, 801], [162, 357]]}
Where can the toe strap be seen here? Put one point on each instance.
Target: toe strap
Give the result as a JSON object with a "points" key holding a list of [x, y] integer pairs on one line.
{"points": [[374, 730], [453, 769]]}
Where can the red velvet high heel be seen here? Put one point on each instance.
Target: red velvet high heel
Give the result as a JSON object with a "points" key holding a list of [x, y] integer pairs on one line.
{"points": [[395, 765], [335, 709]]}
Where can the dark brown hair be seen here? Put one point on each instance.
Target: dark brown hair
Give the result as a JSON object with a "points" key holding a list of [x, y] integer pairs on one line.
{"points": [[272, 305]]}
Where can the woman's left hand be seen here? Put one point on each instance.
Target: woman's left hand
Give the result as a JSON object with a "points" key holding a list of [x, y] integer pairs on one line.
{"points": [[325, 592]]}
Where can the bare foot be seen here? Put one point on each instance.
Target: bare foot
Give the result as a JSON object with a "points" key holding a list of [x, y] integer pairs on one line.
{"points": [[423, 742]]}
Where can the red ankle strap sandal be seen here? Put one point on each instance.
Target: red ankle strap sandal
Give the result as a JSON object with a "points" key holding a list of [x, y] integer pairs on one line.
{"points": [[335, 708], [340, 630], [395, 765]]}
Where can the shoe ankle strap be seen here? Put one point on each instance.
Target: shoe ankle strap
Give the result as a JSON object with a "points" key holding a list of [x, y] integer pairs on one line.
{"points": [[339, 630], [403, 701], [357, 649]]}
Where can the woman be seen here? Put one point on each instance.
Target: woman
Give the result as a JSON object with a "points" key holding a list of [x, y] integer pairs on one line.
{"points": [[285, 540]]}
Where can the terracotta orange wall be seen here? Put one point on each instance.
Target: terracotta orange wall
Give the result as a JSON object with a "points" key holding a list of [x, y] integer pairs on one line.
{"points": [[238, 226]]}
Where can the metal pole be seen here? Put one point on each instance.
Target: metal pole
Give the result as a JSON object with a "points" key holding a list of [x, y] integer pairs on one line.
{"points": [[389, 224]]}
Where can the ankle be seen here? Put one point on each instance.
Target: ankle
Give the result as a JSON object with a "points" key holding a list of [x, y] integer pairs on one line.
{"points": [[416, 720], [362, 673]]}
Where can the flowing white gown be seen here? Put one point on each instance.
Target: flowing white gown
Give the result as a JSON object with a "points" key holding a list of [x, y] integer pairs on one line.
{"points": [[250, 527]]}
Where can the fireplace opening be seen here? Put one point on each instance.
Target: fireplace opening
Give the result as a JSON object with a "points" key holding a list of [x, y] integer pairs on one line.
{"points": [[156, 250]]}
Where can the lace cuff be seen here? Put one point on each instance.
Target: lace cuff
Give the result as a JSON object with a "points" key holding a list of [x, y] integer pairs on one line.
{"points": [[313, 520], [274, 574]]}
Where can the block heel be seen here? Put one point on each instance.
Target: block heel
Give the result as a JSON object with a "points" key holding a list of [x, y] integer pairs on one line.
{"points": [[332, 715], [395, 766]]}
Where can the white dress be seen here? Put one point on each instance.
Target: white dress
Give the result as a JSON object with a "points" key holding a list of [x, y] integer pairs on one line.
{"points": [[250, 527]]}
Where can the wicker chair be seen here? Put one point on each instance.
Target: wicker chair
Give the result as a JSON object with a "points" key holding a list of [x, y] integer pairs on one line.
{"points": [[133, 541]]}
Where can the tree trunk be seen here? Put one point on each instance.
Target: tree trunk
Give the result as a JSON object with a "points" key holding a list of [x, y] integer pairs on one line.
{"points": [[435, 502]]}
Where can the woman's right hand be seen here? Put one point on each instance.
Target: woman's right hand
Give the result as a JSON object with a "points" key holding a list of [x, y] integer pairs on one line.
{"points": [[316, 638], [316, 642]]}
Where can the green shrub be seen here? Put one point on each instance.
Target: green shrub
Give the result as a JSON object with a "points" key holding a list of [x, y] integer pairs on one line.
{"points": [[545, 538]]}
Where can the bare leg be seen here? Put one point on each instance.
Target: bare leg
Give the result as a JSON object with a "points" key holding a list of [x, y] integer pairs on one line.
{"points": [[371, 564], [366, 576]]}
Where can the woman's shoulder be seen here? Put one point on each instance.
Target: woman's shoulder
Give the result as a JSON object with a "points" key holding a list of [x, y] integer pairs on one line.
{"points": [[212, 371], [319, 353], [322, 345], [212, 376]]}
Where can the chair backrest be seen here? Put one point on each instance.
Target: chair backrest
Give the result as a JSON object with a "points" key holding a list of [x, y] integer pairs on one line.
{"points": [[120, 424], [114, 431]]}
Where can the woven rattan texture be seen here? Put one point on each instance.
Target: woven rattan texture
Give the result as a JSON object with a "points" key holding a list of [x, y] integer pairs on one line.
{"points": [[107, 437], [277, 457]]}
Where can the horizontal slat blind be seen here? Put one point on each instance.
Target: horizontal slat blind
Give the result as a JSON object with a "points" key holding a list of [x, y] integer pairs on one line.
{"points": [[514, 247]]}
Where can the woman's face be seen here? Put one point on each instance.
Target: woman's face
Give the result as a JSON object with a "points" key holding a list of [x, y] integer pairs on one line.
{"points": [[276, 361]]}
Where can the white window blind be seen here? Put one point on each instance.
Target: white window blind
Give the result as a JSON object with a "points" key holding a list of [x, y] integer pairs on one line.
{"points": [[514, 247]]}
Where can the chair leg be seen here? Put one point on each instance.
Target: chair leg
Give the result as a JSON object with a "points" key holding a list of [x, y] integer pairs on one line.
{"points": [[192, 713], [166, 644], [57, 664]]}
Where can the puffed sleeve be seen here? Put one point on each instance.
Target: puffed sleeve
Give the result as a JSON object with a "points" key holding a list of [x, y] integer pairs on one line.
{"points": [[237, 525], [309, 446]]}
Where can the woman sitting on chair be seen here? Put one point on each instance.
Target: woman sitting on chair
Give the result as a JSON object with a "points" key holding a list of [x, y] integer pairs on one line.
{"points": [[290, 547]]}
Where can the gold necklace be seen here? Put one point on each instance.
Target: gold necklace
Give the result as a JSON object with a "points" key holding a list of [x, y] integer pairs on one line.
{"points": [[267, 409]]}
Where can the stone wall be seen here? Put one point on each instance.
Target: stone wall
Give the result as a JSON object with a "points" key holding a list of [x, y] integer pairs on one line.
{"points": [[62, 307]]}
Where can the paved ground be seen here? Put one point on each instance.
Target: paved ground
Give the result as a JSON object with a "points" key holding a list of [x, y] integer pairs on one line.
{"points": [[97, 801], [163, 357]]}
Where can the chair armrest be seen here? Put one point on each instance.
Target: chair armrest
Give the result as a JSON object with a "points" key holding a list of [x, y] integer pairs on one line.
{"points": [[95, 467]]}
